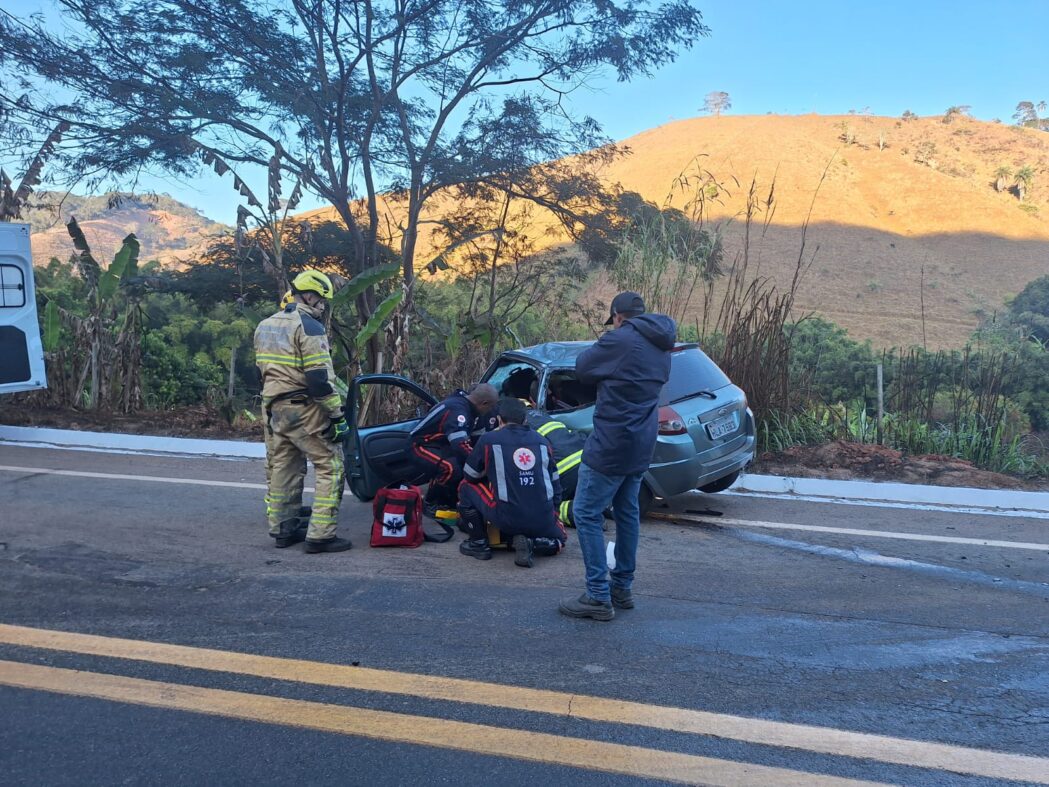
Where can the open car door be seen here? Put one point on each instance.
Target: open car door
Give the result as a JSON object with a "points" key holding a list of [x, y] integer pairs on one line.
{"points": [[382, 410], [21, 353]]}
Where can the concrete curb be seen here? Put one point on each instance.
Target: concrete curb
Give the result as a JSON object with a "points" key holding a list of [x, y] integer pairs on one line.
{"points": [[130, 443], [812, 488], [968, 497]]}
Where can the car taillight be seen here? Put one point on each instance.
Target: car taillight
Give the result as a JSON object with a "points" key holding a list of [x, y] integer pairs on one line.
{"points": [[670, 422]]}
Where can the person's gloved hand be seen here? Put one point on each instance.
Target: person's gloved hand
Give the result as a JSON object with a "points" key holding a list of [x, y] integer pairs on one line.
{"points": [[337, 430]]}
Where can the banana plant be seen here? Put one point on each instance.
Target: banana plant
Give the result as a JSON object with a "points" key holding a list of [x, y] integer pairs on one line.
{"points": [[107, 351], [382, 313], [349, 292]]}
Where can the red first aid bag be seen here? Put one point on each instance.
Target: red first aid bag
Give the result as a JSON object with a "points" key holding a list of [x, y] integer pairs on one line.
{"points": [[397, 518]]}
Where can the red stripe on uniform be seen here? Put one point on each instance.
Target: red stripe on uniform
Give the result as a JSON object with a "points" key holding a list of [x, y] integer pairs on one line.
{"points": [[486, 494], [447, 470]]}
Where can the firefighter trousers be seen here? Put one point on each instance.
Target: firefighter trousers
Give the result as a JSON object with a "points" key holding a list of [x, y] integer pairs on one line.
{"points": [[295, 435]]}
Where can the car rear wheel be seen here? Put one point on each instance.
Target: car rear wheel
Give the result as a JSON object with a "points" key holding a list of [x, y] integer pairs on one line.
{"points": [[721, 484]]}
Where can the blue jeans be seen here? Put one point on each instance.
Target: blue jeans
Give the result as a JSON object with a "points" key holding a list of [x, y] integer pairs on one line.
{"points": [[594, 493]]}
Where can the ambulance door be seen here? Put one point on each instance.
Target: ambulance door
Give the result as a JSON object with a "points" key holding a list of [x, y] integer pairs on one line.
{"points": [[21, 352]]}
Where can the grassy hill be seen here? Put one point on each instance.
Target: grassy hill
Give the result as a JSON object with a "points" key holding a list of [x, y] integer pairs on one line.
{"points": [[168, 230], [897, 196]]}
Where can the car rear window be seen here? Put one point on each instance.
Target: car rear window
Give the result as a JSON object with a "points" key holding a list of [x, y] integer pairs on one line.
{"points": [[691, 371]]}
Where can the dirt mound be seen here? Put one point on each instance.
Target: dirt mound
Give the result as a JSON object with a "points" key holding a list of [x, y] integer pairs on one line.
{"points": [[842, 460]]}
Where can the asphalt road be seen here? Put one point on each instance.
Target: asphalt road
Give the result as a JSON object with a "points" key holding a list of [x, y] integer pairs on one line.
{"points": [[757, 654]]}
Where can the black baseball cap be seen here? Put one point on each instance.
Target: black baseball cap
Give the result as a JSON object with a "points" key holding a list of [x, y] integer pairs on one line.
{"points": [[629, 304]]}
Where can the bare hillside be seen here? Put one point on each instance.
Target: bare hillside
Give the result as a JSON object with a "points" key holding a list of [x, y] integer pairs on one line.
{"points": [[897, 196], [924, 197], [168, 230]]}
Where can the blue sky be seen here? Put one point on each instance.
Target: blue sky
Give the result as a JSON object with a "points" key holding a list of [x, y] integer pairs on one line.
{"points": [[799, 57]]}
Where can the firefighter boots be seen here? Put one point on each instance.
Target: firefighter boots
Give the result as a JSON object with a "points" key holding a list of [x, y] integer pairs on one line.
{"points": [[333, 544], [292, 531]]}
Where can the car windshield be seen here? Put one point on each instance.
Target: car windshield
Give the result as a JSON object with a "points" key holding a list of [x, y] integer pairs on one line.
{"points": [[691, 373], [513, 378]]}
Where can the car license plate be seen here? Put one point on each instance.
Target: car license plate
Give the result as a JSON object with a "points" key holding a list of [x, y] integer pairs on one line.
{"points": [[721, 427]]}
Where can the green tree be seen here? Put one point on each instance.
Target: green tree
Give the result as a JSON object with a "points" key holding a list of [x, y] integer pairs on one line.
{"points": [[825, 364], [716, 102], [1024, 180], [1001, 178], [354, 98], [1030, 309], [1026, 114], [92, 326]]}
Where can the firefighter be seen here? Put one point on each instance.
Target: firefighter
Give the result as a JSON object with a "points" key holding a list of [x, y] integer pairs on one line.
{"points": [[568, 454], [303, 417], [511, 482], [304, 511], [440, 443]]}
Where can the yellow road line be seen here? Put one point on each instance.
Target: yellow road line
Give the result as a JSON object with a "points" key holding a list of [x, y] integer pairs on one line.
{"points": [[823, 740], [404, 728]]}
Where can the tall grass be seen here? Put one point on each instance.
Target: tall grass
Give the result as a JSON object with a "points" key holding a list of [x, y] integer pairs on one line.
{"points": [[989, 445]]}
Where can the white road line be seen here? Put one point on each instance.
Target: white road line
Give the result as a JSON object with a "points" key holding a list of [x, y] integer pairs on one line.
{"points": [[714, 521], [1016, 513], [849, 531], [124, 477]]}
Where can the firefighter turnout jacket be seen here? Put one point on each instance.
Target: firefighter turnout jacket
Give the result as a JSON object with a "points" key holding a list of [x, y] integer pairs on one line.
{"points": [[299, 404], [291, 351], [567, 444], [515, 466]]}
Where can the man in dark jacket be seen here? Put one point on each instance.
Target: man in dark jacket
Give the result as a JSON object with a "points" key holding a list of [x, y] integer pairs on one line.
{"points": [[511, 482], [440, 442], [629, 365]]}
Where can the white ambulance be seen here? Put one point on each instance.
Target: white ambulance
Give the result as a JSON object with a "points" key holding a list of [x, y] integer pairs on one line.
{"points": [[21, 352]]}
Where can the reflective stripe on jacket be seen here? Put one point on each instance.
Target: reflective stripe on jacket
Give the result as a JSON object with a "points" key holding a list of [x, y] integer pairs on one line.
{"points": [[287, 345], [517, 464], [567, 443], [452, 421]]}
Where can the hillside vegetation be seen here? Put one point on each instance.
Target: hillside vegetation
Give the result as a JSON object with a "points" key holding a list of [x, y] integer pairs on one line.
{"points": [[905, 209], [169, 231], [902, 212]]}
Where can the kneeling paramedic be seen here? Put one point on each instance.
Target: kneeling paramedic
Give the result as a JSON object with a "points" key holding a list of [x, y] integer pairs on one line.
{"points": [[304, 417], [511, 482], [440, 443]]}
